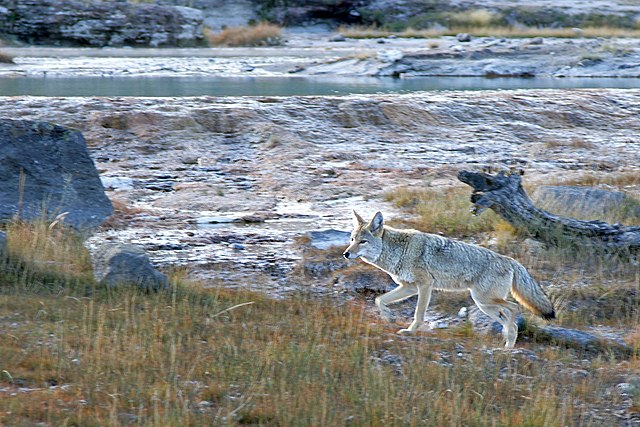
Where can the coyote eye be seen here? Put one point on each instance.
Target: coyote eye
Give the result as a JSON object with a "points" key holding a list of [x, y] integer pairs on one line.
{"points": [[362, 242]]}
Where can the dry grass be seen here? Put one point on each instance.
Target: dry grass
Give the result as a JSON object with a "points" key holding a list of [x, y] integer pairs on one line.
{"points": [[263, 34], [491, 31], [5, 57], [445, 211], [572, 143], [78, 355], [620, 180]]}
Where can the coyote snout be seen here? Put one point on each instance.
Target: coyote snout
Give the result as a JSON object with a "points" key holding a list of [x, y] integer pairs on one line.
{"points": [[420, 262]]}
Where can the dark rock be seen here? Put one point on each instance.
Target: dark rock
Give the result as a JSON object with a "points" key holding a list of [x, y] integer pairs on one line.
{"points": [[100, 23], [338, 38], [463, 37], [362, 281], [122, 264], [585, 202], [47, 167]]}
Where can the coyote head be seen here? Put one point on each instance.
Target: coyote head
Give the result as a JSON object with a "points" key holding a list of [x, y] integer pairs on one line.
{"points": [[366, 239]]}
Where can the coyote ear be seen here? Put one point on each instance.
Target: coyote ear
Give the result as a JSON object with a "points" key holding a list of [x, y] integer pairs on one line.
{"points": [[357, 219], [376, 224]]}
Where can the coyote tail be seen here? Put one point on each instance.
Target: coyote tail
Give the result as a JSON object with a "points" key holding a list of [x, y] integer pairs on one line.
{"points": [[529, 293]]}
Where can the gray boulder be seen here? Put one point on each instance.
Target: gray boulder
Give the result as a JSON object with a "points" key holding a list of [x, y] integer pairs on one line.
{"points": [[122, 264], [46, 168], [585, 202], [100, 23]]}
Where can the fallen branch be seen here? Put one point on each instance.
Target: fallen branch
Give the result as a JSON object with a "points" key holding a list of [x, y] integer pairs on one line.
{"points": [[503, 193]]}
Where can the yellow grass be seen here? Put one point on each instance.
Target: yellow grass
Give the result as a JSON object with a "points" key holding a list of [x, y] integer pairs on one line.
{"points": [[442, 211], [491, 31], [82, 355], [263, 34], [5, 57]]}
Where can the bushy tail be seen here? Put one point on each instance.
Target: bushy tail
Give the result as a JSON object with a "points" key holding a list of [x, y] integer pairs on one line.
{"points": [[529, 293]]}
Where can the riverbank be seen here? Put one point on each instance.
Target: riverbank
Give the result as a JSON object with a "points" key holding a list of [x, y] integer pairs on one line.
{"points": [[318, 54]]}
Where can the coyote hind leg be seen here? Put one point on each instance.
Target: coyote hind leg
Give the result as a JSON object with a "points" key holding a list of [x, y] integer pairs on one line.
{"points": [[504, 312]]}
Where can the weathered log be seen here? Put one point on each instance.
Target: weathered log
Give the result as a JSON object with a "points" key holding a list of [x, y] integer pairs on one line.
{"points": [[503, 193]]}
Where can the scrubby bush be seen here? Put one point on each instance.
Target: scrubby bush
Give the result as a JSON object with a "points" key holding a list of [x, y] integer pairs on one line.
{"points": [[262, 34]]}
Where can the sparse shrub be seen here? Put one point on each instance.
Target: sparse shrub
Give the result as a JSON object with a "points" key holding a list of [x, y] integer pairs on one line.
{"points": [[573, 143], [475, 18], [5, 57], [262, 34]]}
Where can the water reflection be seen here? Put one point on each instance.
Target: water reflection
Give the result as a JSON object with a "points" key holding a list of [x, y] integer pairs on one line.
{"points": [[284, 86]]}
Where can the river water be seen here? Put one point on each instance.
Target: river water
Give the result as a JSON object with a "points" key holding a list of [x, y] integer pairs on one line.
{"points": [[283, 86]]}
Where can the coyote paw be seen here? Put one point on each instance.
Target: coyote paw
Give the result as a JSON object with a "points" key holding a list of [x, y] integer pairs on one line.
{"points": [[406, 331]]}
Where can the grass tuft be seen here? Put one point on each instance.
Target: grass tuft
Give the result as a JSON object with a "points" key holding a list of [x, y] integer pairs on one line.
{"points": [[262, 34], [357, 32], [444, 211]]}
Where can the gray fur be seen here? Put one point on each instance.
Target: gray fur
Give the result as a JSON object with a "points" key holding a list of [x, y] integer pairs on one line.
{"points": [[421, 262]]}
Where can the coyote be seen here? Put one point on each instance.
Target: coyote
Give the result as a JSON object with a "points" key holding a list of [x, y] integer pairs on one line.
{"points": [[420, 262]]}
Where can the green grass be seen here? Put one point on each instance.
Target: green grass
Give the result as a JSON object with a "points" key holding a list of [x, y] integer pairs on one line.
{"points": [[72, 353]]}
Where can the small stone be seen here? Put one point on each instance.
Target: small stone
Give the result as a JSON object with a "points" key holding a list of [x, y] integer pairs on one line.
{"points": [[237, 246], [338, 38], [463, 37], [463, 313], [536, 40], [75, 361], [438, 324], [625, 387]]}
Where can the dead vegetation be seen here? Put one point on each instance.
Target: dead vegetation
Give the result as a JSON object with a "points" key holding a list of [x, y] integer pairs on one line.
{"points": [[77, 354], [441, 211], [5, 57], [476, 30], [262, 34]]}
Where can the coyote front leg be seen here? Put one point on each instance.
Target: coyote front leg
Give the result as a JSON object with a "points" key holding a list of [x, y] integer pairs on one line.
{"points": [[400, 293], [424, 297]]}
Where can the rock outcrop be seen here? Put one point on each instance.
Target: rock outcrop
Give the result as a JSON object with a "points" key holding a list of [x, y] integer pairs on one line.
{"points": [[124, 264], [46, 168], [98, 23]]}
